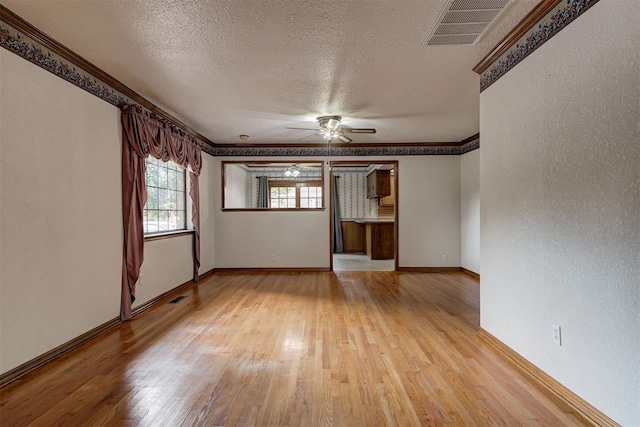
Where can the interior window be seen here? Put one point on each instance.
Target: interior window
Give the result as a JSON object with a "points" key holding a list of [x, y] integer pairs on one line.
{"points": [[273, 185]]}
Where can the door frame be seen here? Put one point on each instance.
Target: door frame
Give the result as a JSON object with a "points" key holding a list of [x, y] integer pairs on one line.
{"points": [[395, 210]]}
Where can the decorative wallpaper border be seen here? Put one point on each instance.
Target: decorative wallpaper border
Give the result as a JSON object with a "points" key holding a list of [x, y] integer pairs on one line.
{"points": [[474, 144], [25, 47], [235, 151], [547, 27]]}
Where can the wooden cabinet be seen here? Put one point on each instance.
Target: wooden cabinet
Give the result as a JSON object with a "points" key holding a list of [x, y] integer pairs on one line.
{"points": [[390, 200], [379, 238], [352, 236], [378, 184]]}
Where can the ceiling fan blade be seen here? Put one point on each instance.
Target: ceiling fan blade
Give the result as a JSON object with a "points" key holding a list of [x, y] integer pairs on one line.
{"points": [[302, 128], [359, 130], [344, 139], [309, 136]]}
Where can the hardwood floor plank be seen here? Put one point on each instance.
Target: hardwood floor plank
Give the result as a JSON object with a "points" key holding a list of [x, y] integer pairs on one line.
{"points": [[299, 349]]}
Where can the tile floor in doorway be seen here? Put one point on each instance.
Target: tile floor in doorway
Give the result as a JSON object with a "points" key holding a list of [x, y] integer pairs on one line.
{"points": [[360, 262]]}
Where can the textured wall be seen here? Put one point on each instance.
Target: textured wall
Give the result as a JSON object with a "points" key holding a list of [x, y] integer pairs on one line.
{"points": [[470, 210], [560, 206], [60, 211], [429, 211]]}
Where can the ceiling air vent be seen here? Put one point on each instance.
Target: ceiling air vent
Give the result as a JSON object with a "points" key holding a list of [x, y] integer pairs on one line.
{"points": [[464, 21]]}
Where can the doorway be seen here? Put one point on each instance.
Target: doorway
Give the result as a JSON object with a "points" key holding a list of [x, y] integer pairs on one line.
{"points": [[364, 205]]}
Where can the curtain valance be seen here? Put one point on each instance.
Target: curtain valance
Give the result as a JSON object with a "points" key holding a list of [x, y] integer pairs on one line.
{"points": [[148, 135]]}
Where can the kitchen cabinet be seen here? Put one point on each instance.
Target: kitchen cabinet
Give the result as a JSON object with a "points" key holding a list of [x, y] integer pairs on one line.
{"points": [[379, 238], [390, 200], [352, 236], [378, 184]]}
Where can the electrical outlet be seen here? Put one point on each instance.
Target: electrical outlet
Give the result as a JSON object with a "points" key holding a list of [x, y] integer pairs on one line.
{"points": [[445, 257], [273, 257], [556, 334]]}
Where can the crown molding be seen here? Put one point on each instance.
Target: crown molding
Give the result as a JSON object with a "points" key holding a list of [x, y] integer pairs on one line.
{"points": [[546, 20], [516, 33], [25, 40]]}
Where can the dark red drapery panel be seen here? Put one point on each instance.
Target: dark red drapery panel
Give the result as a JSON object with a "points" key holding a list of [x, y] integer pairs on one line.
{"points": [[144, 134]]}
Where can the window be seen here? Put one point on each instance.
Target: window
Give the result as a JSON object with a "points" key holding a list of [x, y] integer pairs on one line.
{"points": [[165, 209], [292, 194]]}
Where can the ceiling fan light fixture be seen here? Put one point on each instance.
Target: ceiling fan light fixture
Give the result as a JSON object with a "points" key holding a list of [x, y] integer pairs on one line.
{"points": [[329, 122], [333, 124], [292, 171]]}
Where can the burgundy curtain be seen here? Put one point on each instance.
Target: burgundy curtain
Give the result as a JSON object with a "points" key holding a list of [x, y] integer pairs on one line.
{"points": [[145, 134]]}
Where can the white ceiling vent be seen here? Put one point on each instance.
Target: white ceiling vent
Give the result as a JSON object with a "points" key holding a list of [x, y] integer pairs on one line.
{"points": [[464, 21]]}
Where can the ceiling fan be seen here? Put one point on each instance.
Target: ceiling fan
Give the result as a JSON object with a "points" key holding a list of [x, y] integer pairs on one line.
{"points": [[329, 127]]}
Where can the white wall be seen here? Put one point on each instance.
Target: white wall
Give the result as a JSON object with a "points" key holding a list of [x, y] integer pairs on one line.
{"points": [[560, 206], [167, 264], [60, 211], [429, 224], [208, 196], [470, 210], [429, 210]]}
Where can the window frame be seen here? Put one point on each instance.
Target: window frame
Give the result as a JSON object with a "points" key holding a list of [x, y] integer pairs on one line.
{"points": [[157, 235], [298, 185]]}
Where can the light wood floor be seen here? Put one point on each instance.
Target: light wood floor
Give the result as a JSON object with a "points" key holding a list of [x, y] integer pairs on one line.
{"points": [[298, 349]]}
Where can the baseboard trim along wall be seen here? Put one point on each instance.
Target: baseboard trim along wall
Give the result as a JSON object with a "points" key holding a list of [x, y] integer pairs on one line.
{"points": [[271, 270], [471, 273], [549, 386], [430, 269], [51, 355]]}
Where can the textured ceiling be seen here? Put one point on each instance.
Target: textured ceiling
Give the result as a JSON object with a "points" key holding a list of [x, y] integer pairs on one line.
{"points": [[253, 67]]}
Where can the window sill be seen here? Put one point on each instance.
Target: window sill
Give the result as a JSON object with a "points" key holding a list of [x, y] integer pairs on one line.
{"points": [[167, 235], [272, 209]]}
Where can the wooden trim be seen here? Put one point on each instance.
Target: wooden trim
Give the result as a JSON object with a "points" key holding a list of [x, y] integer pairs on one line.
{"points": [[271, 270], [168, 235], [470, 139], [206, 275], [31, 365], [547, 384], [471, 273], [152, 302], [396, 227], [67, 54], [430, 269], [516, 33], [331, 221]]}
